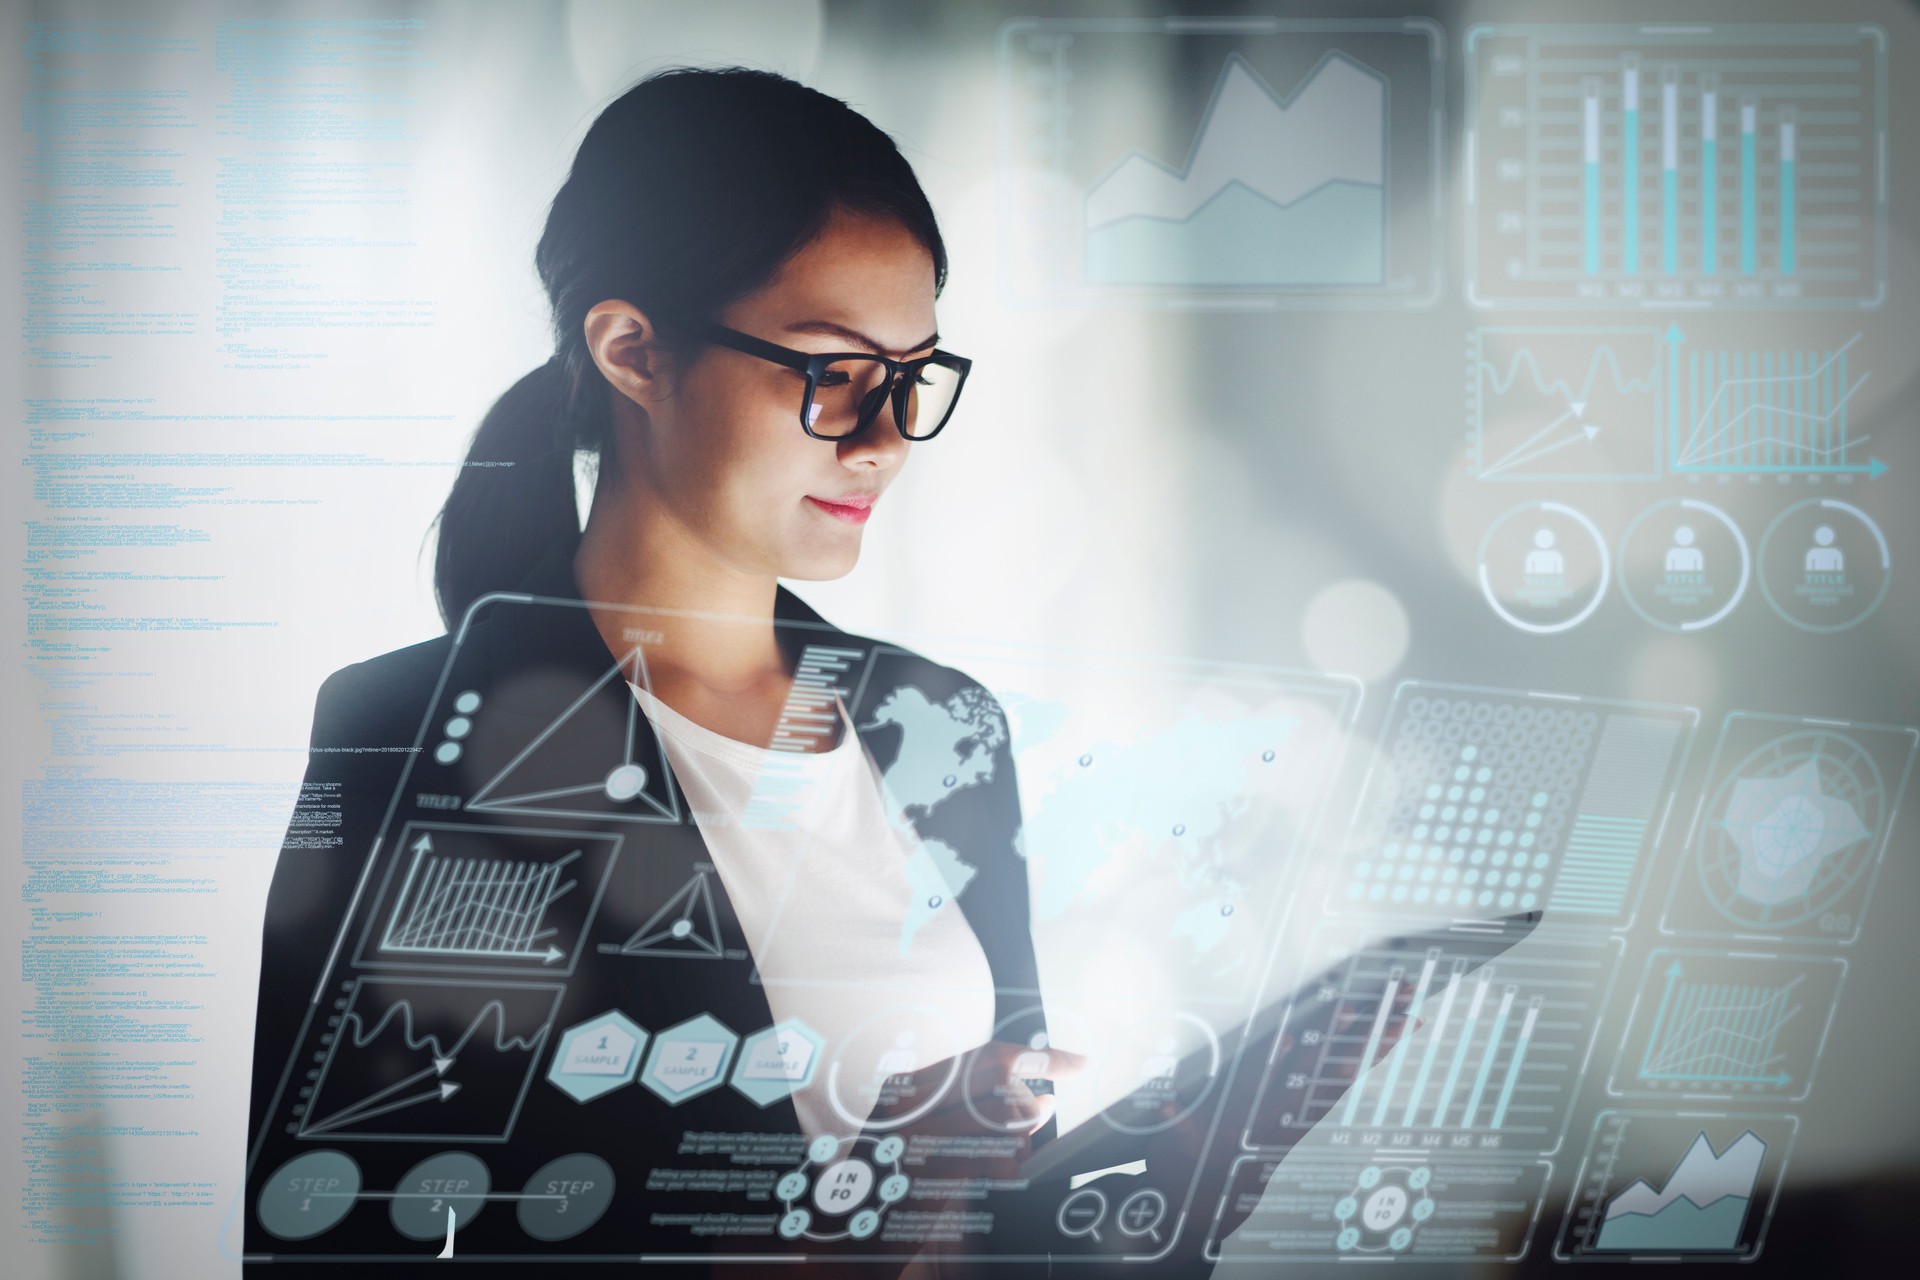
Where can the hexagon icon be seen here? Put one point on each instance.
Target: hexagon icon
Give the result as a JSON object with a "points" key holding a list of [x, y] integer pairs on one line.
{"points": [[775, 1062], [689, 1059], [597, 1056]]}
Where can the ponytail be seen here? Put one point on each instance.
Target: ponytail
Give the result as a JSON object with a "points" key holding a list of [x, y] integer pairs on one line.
{"points": [[513, 498]]}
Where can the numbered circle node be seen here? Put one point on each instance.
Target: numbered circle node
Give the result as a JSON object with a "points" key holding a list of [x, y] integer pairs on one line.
{"points": [[566, 1196], [1381, 1213], [451, 1180], [843, 1189], [1543, 567], [308, 1194], [1684, 564], [1824, 565], [1791, 829]]}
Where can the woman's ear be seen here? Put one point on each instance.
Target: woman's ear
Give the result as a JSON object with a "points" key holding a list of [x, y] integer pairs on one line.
{"points": [[626, 347]]}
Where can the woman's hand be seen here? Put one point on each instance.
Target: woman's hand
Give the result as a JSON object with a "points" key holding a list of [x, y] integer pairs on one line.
{"points": [[968, 1124]]}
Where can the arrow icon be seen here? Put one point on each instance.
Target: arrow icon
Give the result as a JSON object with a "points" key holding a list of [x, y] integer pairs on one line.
{"points": [[1525, 450], [360, 1110]]}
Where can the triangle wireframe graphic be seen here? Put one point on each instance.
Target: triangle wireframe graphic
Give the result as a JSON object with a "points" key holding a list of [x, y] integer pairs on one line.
{"points": [[590, 772], [687, 925]]}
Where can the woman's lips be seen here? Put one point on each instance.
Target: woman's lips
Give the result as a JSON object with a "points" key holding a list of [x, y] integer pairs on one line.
{"points": [[851, 512]]}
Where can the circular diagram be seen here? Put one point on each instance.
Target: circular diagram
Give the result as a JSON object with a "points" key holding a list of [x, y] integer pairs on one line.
{"points": [[1791, 829], [881, 1076], [1543, 567], [1386, 1205], [1684, 564], [843, 1188], [1159, 1098], [1824, 565]]}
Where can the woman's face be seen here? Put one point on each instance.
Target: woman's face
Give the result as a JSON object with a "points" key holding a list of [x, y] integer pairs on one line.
{"points": [[722, 451]]}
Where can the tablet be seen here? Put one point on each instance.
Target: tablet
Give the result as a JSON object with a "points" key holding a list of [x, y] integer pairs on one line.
{"points": [[1094, 1144]]}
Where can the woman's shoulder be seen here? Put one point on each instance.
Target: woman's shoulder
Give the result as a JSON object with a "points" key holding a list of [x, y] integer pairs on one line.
{"points": [[380, 699]]}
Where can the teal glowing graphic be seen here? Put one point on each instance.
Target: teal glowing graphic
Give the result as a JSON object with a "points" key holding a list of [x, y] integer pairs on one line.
{"points": [[1701, 1205], [1699, 166], [1276, 191], [1720, 1033]]}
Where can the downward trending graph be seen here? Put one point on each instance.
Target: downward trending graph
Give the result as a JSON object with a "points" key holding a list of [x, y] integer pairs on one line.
{"points": [[1591, 403]]}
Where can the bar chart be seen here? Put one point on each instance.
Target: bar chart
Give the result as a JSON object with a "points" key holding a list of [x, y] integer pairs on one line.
{"points": [[1739, 166], [1467, 1054], [1784, 411]]}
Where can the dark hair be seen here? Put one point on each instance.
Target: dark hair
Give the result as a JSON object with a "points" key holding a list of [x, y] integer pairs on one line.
{"points": [[688, 192]]}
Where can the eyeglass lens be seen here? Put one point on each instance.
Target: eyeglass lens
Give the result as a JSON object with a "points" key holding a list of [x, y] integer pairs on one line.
{"points": [[852, 391]]}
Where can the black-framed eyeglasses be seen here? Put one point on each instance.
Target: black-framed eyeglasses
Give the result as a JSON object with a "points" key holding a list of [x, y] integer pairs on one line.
{"points": [[845, 389]]}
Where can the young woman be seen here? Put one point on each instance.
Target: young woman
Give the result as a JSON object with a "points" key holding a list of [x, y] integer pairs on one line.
{"points": [[520, 882]]}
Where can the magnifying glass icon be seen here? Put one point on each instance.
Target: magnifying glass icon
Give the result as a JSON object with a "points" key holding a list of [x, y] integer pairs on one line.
{"points": [[1142, 1213], [1082, 1213]]}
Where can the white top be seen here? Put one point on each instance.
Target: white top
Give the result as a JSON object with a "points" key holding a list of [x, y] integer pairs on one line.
{"points": [[834, 901]]}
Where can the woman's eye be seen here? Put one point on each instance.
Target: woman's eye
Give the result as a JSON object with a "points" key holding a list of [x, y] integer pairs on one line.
{"points": [[833, 378]]}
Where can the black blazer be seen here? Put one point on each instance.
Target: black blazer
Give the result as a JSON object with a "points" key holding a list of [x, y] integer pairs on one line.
{"points": [[372, 1001]]}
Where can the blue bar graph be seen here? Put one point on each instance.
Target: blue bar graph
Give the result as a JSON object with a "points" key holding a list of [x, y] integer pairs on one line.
{"points": [[1485, 1071], [1590, 151], [1781, 412], [1630, 165], [1373, 1043], [1709, 173], [1519, 1059], [1445, 1103], [1654, 166], [1789, 127], [1670, 170], [1749, 186]]}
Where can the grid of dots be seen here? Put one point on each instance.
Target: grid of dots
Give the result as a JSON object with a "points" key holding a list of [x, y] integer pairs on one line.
{"points": [[1472, 807]]}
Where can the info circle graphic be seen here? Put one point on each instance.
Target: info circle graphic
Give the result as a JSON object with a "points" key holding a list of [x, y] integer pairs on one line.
{"points": [[1792, 830], [1824, 565], [1684, 564], [1387, 1204], [843, 1189], [1543, 567]]}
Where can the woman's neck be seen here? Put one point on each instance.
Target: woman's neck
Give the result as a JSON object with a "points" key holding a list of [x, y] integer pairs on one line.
{"points": [[634, 553]]}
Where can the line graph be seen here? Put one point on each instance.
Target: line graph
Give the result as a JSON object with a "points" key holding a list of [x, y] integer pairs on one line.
{"points": [[1720, 1031], [496, 899], [1764, 411], [473, 906], [428, 1060], [1563, 403], [1728, 1025]]}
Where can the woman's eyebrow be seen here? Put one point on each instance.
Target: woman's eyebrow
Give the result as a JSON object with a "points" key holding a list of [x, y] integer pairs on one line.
{"points": [[833, 330]]}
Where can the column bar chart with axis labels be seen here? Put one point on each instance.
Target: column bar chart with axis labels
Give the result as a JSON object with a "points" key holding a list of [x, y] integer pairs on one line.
{"points": [[1698, 166]]}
